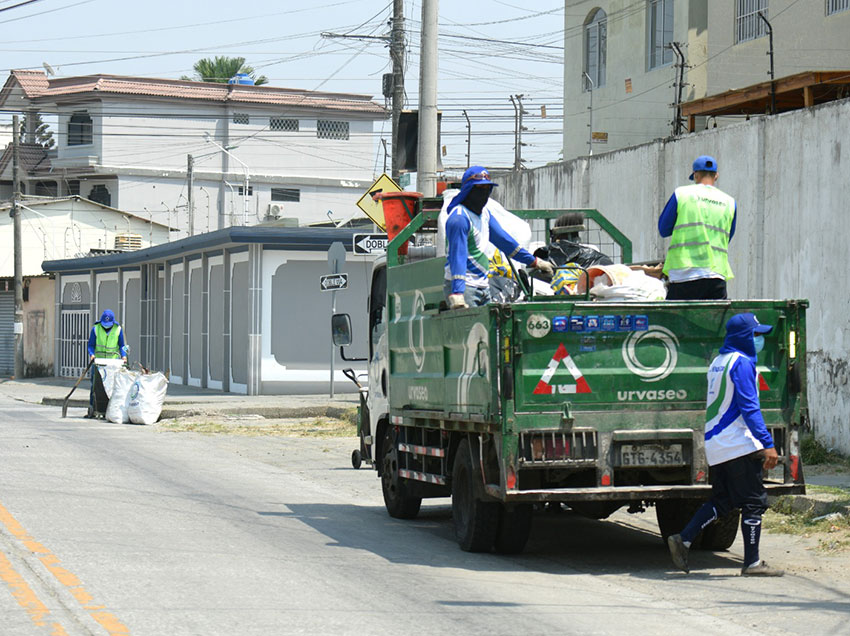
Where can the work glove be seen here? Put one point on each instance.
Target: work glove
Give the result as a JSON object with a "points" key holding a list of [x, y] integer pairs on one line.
{"points": [[544, 266], [456, 301]]}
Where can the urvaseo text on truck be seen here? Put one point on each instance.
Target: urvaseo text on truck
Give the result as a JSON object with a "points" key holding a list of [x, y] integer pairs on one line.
{"points": [[597, 405]]}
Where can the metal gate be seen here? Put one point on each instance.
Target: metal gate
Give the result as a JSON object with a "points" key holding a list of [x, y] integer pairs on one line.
{"points": [[74, 331], [7, 333]]}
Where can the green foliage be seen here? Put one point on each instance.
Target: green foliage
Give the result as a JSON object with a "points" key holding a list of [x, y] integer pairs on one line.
{"points": [[43, 134], [221, 68], [813, 452]]}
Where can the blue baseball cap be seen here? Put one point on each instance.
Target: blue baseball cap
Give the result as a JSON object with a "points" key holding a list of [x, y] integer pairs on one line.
{"points": [[704, 163], [745, 324], [107, 318], [474, 176]]}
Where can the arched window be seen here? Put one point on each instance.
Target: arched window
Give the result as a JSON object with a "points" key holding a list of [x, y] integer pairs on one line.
{"points": [[595, 48], [79, 129]]}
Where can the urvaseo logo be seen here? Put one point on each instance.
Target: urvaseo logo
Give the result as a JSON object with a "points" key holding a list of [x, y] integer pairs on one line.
{"points": [[649, 373], [651, 396]]}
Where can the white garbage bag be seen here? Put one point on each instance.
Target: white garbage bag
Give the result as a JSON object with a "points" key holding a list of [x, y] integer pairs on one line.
{"points": [[108, 368], [147, 396], [122, 382], [517, 228]]}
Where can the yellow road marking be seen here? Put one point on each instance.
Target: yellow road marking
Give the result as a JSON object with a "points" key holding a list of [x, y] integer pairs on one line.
{"points": [[29, 601], [26, 598]]}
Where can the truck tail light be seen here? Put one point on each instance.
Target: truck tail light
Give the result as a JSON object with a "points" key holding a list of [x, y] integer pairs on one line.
{"points": [[795, 467], [510, 479]]}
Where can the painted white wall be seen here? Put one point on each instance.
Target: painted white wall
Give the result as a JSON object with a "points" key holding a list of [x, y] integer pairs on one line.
{"points": [[805, 39], [789, 176], [66, 229]]}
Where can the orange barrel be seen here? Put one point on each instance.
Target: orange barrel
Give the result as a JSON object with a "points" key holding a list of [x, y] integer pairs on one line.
{"points": [[399, 209]]}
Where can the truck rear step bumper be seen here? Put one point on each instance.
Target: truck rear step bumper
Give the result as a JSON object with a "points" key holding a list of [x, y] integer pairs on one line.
{"points": [[643, 493]]}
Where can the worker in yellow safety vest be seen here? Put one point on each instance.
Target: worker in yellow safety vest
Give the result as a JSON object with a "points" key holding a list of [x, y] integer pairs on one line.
{"points": [[700, 219], [106, 340]]}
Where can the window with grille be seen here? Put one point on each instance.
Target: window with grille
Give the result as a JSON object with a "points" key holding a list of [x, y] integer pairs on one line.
{"points": [[328, 129], [595, 49], [100, 194], [286, 194], [283, 124], [748, 24], [74, 187], [242, 191], [241, 118], [660, 25], [46, 188], [836, 6], [79, 129]]}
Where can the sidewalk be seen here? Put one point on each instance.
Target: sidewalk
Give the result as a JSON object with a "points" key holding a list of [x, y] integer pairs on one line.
{"points": [[183, 401]]}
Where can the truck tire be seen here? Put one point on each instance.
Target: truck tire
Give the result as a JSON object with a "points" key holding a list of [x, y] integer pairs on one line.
{"points": [[514, 528], [399, 504], [721, 534], [673, 515], [476, 521]]}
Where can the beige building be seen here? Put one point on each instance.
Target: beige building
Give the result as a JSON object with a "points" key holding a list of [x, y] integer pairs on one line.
{"points": [[620, 55]]}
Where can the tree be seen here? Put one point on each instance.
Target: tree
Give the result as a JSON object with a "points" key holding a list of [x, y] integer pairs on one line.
{"points": [[220, 69], [43, 134]]}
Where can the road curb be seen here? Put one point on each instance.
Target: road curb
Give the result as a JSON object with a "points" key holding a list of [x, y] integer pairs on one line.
{"points": [[807, 504], [190, 409]]}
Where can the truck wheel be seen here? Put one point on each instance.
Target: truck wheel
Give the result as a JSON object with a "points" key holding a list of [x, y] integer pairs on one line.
{"points": [[399, 504], [356, 459], [514, 528], [476, 521], [721, 534], [673, 515]]}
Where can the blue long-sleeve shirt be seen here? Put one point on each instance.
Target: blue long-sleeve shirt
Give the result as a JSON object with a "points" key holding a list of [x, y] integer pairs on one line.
{"points": [[464, 269], [667, 220], [93, 341]]}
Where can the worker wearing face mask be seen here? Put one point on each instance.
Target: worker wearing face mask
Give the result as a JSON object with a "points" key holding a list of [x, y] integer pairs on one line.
{"points": [[738, 445], [469, 228]]}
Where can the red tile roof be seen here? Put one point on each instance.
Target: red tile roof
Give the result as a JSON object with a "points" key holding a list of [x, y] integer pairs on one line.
{"points": [[37, 86]]}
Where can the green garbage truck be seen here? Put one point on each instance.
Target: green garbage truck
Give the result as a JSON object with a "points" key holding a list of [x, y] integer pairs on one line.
{"points": [[555, 400]]}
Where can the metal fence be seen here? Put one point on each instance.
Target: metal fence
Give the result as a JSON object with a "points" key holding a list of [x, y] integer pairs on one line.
{"points": [[73, 336]]}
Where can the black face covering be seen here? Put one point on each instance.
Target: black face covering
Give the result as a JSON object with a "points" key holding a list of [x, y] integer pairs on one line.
{"points": [[477, 198]]}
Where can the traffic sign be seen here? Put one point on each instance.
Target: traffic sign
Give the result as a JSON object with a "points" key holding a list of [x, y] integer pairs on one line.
{"points": [[336, 256], [333, 282], [370, 243], [375, 209]]}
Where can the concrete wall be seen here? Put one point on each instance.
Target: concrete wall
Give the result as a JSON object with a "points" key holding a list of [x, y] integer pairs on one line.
{"points": [[789, 176], [805, 38], [39, 317], [68, 228]]}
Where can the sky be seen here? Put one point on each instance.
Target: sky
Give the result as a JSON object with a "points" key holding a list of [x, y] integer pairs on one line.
{"points": [[489, 50]]}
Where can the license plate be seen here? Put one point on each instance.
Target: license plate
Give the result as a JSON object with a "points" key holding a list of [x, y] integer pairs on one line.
{"points": [[651, 455]]}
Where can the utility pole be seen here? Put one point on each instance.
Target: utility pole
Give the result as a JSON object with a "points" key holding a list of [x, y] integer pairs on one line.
{"points": [[468, 139], [397, 56], [520, 129], [590, 109], [190, 199], [770, 53], [18, 248], [516, 134], [678, 85], [427, 151]]}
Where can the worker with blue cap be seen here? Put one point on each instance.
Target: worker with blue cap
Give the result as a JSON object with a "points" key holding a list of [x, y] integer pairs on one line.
{"points": [[469, 227], [106, 340], [700, 219], [738, 445]]}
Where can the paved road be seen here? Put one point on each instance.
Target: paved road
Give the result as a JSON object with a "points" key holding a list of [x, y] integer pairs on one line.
{"points": [[111, 529]]}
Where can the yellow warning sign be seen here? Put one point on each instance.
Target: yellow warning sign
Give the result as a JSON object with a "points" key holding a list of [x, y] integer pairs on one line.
{"points": [[375, 209]]}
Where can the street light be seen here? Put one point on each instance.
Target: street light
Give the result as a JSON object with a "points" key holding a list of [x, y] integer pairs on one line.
{"points": [[209, 139]]}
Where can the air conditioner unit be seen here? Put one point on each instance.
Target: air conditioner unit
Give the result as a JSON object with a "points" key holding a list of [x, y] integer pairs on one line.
{"points": [[275, 210], [127, 241]]}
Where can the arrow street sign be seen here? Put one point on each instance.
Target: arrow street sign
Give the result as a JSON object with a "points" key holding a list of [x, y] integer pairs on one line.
{"points": [[370, 243], [333, 282]]}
